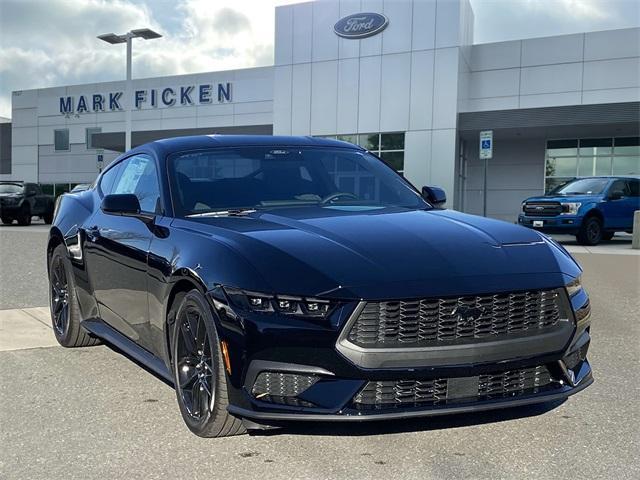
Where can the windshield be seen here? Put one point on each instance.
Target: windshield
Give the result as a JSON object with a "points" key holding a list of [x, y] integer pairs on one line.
{"points": [[584, 186], [10, 188], [268, 177]]}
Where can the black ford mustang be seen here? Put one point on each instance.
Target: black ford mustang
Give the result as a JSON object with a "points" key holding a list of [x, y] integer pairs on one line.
{"points": [[285, 278]]}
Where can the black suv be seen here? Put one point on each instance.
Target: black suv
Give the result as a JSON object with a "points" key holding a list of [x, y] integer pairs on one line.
{"points": [[21, 201]]}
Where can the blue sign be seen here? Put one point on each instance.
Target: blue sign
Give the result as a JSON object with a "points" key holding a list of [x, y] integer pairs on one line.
{"points": [[360, 25], [167, 97], [486, 144]]}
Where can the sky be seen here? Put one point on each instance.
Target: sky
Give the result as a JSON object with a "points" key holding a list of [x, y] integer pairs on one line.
{"points": [[45, 43]]}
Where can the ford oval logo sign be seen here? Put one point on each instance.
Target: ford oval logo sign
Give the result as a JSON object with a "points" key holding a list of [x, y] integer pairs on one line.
{"points": [[360, 25]]}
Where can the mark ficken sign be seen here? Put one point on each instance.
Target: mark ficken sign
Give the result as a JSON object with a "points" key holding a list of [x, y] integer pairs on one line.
{"points": [[203, 94]]}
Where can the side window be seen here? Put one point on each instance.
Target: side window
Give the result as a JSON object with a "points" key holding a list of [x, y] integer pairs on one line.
{"points": [[139, 176], [108, 178], [619, 186], [31, 189], [634, 188]]}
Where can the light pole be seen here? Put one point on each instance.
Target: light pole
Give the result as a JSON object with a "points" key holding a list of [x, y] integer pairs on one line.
{"points": [[127, 38]]}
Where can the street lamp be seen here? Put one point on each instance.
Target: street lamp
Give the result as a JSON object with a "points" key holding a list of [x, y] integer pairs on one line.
{"points": [[127, 38]]}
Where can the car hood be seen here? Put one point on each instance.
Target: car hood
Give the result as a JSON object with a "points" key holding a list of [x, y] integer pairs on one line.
{"points": [[387, 252], [565, 198]]}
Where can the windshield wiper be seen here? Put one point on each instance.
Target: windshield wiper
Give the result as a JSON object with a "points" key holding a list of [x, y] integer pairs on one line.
{"points": [[232, 212]]}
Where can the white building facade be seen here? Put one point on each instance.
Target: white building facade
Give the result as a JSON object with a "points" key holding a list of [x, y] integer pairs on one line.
{"points": [[412, 88]]}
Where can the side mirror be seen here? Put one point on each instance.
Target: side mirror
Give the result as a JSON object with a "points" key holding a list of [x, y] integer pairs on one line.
{"points": [[616, 195], [125, 205], [436, 196]]}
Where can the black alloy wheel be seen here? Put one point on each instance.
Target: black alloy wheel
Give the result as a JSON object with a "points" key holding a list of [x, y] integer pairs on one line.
{"points": [[194, 366], [590, 232], [59, 297], [199, 374], [65, 311]]}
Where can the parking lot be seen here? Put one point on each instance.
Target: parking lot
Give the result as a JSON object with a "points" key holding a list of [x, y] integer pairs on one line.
{"points": [[92, 413]]}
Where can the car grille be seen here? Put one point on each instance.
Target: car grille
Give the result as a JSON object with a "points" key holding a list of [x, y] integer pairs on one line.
{"points": [[431, 322], [441, 391], [542, 209]]}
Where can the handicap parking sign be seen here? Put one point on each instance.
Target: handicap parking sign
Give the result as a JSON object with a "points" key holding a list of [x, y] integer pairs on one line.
{"points": [[486, 144]]}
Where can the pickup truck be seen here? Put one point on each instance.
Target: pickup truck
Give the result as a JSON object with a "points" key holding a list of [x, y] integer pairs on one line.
{"points": [[21, 201], [591, 208]]}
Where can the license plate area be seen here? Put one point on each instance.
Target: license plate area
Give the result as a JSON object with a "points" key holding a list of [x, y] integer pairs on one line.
{"points": [[538, 223], [462, 388]]}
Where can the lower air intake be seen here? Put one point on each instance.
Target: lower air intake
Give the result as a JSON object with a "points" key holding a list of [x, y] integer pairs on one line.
{"points": [[441, 391], [283, 388]]}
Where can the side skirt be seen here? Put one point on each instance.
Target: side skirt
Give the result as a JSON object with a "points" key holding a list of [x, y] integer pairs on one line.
{"points": [[129, 348]]}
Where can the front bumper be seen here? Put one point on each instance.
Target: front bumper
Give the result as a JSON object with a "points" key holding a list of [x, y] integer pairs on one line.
{"points": [[306, 350], [568, 224]]}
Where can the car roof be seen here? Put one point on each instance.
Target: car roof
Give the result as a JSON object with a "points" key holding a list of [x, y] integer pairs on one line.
{"points": [[636, 177], [197, 142]]}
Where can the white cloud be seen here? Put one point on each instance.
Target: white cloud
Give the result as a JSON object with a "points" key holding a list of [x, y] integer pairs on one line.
{"points": [[53, 42], [46, 43]]}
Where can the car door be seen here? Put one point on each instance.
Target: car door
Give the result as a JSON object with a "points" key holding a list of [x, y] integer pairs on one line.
{"points": [[619, 205], [116, 249], [31, 194]]}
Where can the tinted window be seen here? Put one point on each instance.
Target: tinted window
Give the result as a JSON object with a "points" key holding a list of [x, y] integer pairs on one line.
{"points": [[61, 139], [139, 176], [585, 186], [10, 188], [266, 177], [634, 188], [108, 178], [619, 186]]}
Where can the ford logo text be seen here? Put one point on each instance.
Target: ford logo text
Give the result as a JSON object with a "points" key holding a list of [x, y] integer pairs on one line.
{"points": [[360, 25]]}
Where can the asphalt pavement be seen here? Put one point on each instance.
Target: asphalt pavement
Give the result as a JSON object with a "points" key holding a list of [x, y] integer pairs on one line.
{"points": [[92, 413]]}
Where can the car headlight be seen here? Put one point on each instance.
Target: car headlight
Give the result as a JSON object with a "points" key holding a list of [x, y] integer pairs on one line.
{"points": [[574, 286], [287, 304], [570, 208]]}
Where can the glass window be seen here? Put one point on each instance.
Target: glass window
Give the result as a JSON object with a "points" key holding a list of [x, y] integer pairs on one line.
{"points": [[139, 176], [634, 188], [619, 186], [47, 188], [61, 139], [627, 146], [300, 177], [89, 136], [585, 166], [108, 179], [626, 165], [553, 183], [348, 138], [392, 141], [603, 166], [370, 141], [561, 167], [394, 159], [583, 186]]}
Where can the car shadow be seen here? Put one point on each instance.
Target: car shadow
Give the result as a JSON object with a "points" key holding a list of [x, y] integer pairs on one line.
{"points": [[384, 427]]}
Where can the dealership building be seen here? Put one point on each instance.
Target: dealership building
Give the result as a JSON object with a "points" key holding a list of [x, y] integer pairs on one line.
{"points": [[400, 77]]}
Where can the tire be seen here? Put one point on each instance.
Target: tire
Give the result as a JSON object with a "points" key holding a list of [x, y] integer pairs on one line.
{"points": [[608, 235], [7, 220], [65, 312], [590, 231], [24, 217], [198, 372]]}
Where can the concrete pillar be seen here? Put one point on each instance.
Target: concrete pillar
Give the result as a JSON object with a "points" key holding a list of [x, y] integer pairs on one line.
{"points": [[635, 243]]}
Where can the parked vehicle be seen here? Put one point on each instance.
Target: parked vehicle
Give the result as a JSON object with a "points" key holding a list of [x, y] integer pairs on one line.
{"points": [[22, 200], [293, 278], [593, 208]]}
